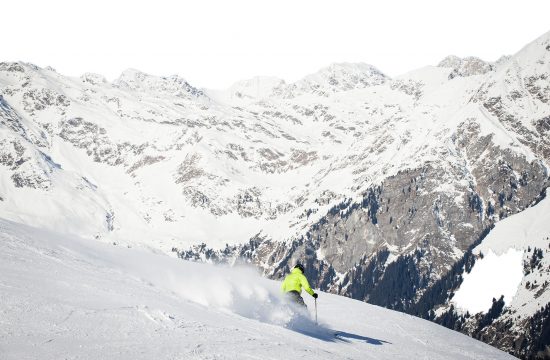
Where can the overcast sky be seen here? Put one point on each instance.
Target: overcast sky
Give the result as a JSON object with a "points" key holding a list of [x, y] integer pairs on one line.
{"points": [[215, 43]]}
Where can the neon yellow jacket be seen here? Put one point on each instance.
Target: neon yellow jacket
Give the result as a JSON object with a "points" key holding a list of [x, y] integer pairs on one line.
{"points": [[295, 281]]}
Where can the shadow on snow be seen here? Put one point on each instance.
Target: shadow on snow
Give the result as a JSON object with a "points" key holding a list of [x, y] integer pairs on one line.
{"points": [[302, 323], [327, 334], [347, 337]]}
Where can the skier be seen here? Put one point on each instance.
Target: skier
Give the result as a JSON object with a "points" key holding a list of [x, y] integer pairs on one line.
{"points": [[293, 283]]}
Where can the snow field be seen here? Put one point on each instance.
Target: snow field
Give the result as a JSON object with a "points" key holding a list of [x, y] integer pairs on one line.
{"points": [[490, 278]]}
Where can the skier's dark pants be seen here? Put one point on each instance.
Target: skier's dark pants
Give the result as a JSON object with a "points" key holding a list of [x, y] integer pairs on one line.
{"points": [[294, 296]]}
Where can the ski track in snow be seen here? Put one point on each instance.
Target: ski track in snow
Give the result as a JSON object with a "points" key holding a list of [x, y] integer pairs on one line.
{"points": [[75, 299]]}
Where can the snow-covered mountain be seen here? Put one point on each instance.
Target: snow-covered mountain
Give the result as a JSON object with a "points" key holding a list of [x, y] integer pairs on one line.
{"points": [[382, 186], [101, 302]]}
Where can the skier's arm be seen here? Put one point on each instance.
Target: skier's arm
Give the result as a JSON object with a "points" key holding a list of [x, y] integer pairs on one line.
{"points": [[305, 285]]}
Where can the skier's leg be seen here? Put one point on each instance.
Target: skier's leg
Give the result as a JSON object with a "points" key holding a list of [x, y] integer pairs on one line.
{"points": [[300, 301], [295, 298]]}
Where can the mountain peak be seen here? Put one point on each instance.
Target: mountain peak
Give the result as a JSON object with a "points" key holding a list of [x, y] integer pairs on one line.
{"points": [[17, 66], [93, 78], [134, 79], [337, 77], [348, 75], [131, 78], [466, 66]]}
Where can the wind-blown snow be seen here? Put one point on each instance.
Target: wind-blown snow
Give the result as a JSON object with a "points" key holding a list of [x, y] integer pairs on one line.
{"points": [[63, 297], [492, 276]]}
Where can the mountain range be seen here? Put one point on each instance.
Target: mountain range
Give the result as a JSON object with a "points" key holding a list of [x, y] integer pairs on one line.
{"points": [[389, 190]]}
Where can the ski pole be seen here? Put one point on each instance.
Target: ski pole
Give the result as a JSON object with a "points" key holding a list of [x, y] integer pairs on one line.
{"points": [[316, 312]]}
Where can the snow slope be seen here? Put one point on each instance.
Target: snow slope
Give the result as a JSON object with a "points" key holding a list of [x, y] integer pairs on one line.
{"points": [[491, 277], [63, 297]]}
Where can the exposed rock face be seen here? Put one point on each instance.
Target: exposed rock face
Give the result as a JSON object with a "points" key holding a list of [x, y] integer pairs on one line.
{"points": [[411, 213]]}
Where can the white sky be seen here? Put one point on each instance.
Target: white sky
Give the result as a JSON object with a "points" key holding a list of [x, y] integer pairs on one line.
{"points": [[214, 43]]}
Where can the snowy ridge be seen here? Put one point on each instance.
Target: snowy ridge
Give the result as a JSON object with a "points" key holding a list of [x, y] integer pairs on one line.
{"points": [[172, 85], [336, 78], [468, 66]]}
